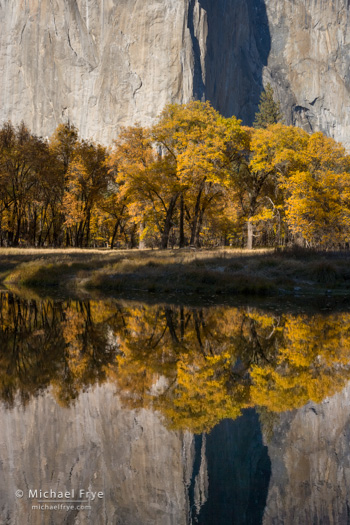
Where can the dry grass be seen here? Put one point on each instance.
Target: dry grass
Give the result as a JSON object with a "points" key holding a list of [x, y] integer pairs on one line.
{"points": [[203, 272]]}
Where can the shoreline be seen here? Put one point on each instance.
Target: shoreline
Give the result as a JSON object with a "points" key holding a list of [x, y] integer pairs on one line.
{"points": [[219, 274]]}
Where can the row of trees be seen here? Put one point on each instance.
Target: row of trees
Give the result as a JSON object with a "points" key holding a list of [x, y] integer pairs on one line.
{"points": [[194, 178]]}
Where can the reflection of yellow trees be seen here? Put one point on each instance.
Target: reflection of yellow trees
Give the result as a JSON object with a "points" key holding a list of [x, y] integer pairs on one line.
{"points": [[87, 352], [192, 364], [313, 362], [45, 343], [196, 366], [205, 393], [200, 366]]}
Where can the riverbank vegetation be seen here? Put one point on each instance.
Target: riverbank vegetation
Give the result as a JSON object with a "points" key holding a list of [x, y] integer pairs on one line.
{"points": [[174, 275], [195, 178]]}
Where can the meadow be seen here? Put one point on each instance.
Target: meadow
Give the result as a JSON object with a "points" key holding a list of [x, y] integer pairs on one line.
{"points": [[220, 272]]}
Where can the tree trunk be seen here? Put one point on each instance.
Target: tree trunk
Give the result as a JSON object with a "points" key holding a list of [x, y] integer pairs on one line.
{"points": [[115, 233], [34, 228], [250, 232], [196, 214], [88, 219], [199, 228], [182, 213], [18, 231], [168, 222], [142, 244]]}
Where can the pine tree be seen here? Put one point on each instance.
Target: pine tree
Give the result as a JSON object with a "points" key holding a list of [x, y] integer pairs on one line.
{"points": [[269, 110]]}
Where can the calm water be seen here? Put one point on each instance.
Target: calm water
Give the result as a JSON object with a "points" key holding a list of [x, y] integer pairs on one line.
{"points": [[173, 414]]}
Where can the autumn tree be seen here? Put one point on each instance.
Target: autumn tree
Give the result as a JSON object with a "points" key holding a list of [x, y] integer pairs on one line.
{"points": [[282, 165], [318, 194], [272, 155], [24, 163], [193, 178], [304, 183], [202, 145], [147, 182], [63, 143], [87, 179]]}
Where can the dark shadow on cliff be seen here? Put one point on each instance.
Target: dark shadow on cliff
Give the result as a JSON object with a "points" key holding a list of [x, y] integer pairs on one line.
{"points": [[238, 46], [239, 471], [198, 84]]}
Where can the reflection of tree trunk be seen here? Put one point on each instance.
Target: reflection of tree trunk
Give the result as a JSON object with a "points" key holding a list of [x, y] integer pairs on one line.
{"points": [[197, 328], [257, 351], [170, 324], [182, 323]]}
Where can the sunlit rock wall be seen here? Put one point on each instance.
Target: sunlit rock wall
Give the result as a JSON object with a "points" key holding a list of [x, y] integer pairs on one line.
{"points": [[309, 63], [101, 64], [107, 63]]}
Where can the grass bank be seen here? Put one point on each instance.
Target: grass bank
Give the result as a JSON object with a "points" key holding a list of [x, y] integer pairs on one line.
{"points": [[182, 272]]}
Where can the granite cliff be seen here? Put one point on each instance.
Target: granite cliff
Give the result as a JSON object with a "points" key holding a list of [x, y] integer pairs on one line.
{"points": [[107, 63]]}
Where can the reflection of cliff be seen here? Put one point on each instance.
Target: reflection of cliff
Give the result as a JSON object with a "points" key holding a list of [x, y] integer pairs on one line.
{"points": [[310, 461], [141, 467], [149, 475], [152, 475], [238, 469]]}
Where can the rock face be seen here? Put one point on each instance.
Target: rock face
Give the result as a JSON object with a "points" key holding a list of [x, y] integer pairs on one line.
{"points": [[310, 463], [309, 63], [107, 63], [141, 467], [99, 63], [154, 476]]}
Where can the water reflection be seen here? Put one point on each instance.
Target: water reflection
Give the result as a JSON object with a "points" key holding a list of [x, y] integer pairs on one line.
{"points": [[233, 486], [195, 366], [45, 343], [188, 458]]}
